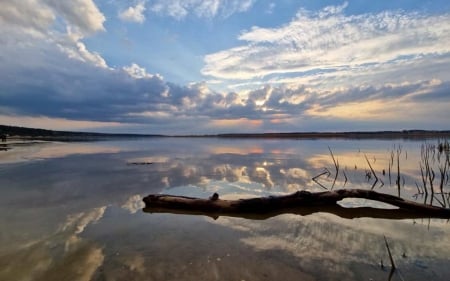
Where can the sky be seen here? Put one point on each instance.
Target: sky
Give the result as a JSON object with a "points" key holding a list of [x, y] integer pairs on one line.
{"points": [[225, 66]]}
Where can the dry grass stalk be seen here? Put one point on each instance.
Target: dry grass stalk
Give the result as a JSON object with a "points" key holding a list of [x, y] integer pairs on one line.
{"points": [[372, 171], [336, 166], [389, 252], [399, 151]]}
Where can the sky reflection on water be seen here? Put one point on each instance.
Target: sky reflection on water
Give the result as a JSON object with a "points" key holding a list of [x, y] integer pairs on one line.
{"points": [[76, 214]]}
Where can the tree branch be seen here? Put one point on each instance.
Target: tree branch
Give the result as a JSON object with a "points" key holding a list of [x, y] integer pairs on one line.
{"points": [[301, 202]]}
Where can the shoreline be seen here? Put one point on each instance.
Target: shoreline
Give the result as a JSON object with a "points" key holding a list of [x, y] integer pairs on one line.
{"points": [[21, 133]]}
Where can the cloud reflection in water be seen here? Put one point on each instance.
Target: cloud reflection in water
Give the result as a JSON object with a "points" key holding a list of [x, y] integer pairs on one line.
{"points": [[95, 200]]}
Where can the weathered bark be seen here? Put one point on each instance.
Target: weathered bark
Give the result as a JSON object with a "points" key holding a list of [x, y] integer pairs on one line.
{"points": [[301, 202]]}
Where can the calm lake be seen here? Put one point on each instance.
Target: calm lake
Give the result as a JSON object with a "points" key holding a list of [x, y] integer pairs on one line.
{"points": [[73, 211]]}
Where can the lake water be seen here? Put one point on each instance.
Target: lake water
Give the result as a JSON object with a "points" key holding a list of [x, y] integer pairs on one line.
{"points": [[73, 211]]}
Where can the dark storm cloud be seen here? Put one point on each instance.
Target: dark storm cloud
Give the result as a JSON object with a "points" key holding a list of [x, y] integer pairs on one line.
{"points": [[76, 90]]}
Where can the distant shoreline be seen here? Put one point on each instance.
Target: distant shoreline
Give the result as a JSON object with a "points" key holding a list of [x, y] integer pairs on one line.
{"points": [[406, 134], [15, 132], [50, 135]]}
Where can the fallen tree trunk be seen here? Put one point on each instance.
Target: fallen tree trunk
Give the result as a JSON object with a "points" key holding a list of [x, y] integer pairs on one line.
{"points": [[301, 202]]}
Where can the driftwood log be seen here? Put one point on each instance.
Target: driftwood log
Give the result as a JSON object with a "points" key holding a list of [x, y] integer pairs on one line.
{"points": [[301, 203]]}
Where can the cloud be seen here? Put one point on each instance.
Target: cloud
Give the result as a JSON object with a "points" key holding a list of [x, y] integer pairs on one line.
{"points": [[322, 69], [73, 91], [133, 204], [134, 14], [78, 222], [80, 52], [179, 9], [308, 239], [329, 40], [76, 90], [59, 255], [136, 71], [60, 23], [80, 14], [31, 16]]}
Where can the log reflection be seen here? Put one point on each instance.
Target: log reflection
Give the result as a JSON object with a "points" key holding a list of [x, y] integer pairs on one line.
{"points": [[347, 213]]}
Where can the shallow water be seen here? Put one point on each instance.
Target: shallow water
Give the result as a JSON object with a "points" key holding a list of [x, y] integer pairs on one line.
{"points": [[73, 211]]}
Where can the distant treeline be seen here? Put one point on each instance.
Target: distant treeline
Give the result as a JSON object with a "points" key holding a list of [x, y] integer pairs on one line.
{"points": [[409, 134], [22, 132], [32, 133]]}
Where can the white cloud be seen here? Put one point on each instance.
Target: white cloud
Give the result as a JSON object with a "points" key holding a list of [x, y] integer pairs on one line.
{"points": [[80, 14], [309, 240], [136, 71], [201, 8], [37, 16], [46, 20], [78, 222], [134, 14], [29, 15], [133, 204], [78, 51], [330, 40]]}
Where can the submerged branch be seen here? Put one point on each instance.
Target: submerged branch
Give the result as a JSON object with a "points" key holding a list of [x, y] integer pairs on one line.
{"points": [[301, 202]]}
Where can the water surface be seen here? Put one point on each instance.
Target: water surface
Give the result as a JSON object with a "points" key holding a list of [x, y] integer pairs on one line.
{"points": [[73, 211]]}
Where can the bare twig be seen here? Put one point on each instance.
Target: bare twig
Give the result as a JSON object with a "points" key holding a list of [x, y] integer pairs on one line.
{"points": [[443, 171], [373, 172], [424, 180], [319, 175], [419, 191], [345, 177], [336, 166], [389, 252], [325, 172], [439, 201], [391, 163], [399, 151]]}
